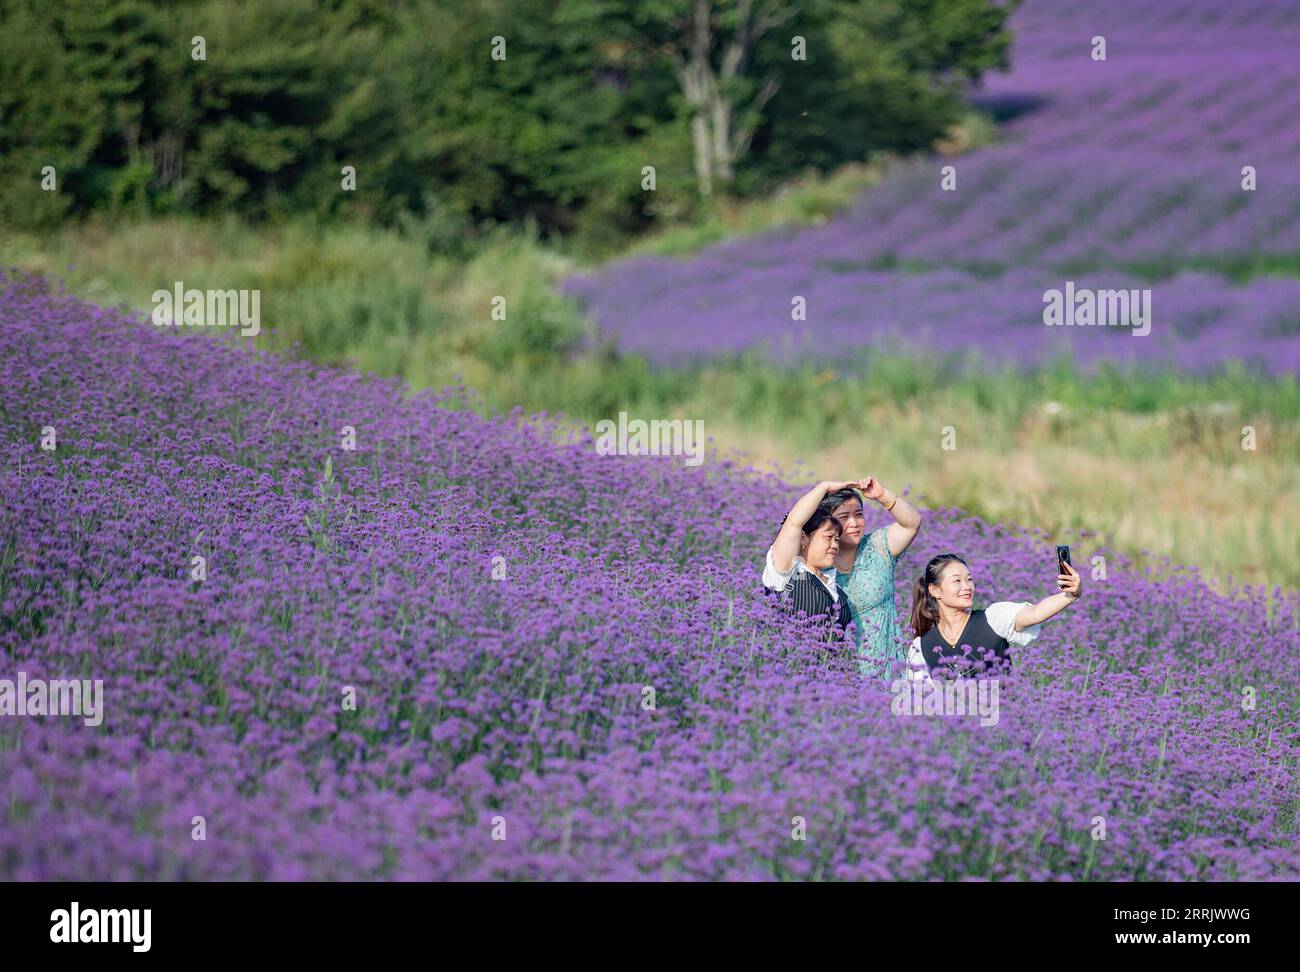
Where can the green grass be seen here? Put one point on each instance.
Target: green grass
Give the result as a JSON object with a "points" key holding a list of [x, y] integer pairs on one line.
{"points": [[810, 200], [1238, 269]]}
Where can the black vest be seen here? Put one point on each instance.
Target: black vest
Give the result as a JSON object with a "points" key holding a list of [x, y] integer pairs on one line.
{"points": [[982, 640], [804, 592]]}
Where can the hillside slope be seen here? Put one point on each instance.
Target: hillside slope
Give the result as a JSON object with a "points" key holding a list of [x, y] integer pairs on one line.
{"points": [[1123, 173], [508, 697]]}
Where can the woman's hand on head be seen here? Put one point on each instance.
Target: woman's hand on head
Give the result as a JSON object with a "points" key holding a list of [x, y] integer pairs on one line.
{"points": [[789, 538], [1070, 583]]}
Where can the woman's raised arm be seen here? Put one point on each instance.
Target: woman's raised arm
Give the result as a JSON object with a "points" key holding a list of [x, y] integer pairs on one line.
{"points": [[786, 546], [907, 518]]}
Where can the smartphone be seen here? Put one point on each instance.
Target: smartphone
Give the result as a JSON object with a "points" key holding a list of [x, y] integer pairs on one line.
{"points": [[1062, 558]]}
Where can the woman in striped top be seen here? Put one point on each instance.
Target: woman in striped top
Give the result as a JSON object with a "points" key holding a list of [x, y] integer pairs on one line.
{"points": [[800, 563]]}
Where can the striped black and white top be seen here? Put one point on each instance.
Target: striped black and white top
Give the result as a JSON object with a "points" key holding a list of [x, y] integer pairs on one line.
{"points": [[800, 589]]}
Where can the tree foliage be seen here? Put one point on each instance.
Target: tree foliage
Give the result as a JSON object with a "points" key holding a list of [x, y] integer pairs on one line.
{"points": [[557, 128]]}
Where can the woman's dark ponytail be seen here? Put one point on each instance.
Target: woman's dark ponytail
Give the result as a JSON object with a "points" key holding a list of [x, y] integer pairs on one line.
{"points": [[925, 609]]}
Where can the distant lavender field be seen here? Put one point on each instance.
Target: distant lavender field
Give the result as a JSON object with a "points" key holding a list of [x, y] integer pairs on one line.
{"points": [[1125, 173], [500, 726]]}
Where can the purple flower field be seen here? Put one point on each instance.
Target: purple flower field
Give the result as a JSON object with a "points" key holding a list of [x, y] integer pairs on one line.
{"points": [[508, 697], [1123, 173]]}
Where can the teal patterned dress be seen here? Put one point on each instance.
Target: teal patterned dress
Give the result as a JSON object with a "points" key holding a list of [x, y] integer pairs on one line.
{"points": [[870, 589]]}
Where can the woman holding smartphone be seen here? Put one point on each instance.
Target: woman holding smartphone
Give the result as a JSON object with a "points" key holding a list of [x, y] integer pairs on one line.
{"points": [[953, 638], [865, 568]]}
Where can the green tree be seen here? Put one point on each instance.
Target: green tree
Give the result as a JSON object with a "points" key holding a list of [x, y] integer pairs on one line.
{"points": [[459, 114], [50, 115], [887, 73]]}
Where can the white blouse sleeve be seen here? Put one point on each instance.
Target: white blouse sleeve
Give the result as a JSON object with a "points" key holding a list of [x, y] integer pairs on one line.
{"points": [[773, 578], [1002, 619], [917, 669]]}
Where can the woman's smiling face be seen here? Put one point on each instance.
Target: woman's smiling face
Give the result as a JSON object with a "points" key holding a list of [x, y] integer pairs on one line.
{"points": [[956, 587], [821, 546], [852, 520]]}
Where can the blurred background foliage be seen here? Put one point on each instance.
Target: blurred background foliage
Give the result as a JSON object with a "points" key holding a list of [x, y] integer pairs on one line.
{"points": [[442, 134]]}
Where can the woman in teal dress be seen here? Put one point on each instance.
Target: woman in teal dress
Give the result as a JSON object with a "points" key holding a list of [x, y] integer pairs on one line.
{"points": [[865, 570]]}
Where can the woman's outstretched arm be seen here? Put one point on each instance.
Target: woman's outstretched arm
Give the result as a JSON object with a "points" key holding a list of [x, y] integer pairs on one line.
{"points": [[1071, 586]]}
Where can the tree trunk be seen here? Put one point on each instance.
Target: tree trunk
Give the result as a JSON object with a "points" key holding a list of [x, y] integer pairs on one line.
{"points": [[723, 160], [699, 88], [716, 145], [703, 154]]}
